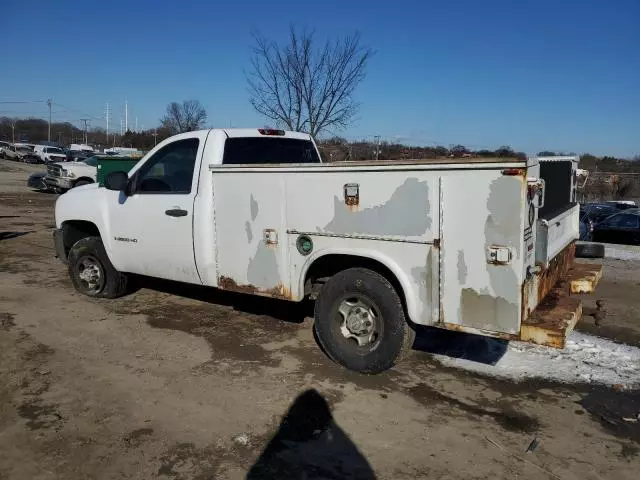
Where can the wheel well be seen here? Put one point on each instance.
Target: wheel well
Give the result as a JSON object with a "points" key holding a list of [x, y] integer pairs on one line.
{"points": [[89, 179], [328, 265], [74, 230]]}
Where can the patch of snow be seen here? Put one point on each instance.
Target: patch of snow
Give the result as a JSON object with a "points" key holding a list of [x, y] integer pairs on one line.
{"points": [[585, 358], [622, 252], [242, 439]]}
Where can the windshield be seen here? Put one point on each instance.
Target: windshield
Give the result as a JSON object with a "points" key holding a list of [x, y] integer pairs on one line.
{"points": [[54, 150], [91, 161]]}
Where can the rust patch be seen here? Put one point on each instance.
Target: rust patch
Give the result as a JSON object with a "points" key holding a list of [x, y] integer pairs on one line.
{"points": [[279, 291], [553, 320], [584, 277], [477, 331], [558, 267]]}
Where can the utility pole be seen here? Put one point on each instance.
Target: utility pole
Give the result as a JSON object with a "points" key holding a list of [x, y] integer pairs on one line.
{"points": [[377, 143], [49, 105], [107, 115], [13, 132], [136, 130], [155, 137], [126, 117], [85, 121], [121, 127]]}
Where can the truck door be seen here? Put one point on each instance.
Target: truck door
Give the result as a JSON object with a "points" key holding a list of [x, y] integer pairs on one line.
{"points": [[151, 231]]}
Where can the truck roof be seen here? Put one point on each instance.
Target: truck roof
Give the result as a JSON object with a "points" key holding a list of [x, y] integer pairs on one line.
{"points": [[258, 132]]}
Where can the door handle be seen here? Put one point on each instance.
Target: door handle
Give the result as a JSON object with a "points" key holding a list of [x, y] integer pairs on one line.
{"points": [[176, 212]]}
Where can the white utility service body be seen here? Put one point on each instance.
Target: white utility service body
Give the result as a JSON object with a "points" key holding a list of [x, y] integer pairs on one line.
{"points": [[458, 240]]}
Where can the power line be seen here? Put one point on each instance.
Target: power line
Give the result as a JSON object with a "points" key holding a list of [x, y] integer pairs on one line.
{"points": [[93, 117], [22, 102]]}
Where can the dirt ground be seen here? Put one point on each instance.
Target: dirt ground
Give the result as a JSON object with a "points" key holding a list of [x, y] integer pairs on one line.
{"points": [[178, 382]]}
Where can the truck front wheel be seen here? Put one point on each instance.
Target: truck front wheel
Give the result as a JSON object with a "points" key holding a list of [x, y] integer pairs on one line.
{"points": [[92, 273], [360, 322]]}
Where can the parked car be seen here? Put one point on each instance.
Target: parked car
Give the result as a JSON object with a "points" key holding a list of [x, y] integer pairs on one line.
{"points": [[622, 204], [596, 212], [623, 228], [586, 229], [15, 152], [64, 176], [50, 154], [31, 158]]}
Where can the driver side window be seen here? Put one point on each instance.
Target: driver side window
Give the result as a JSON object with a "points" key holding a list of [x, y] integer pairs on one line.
{"points": [[170, 170]]}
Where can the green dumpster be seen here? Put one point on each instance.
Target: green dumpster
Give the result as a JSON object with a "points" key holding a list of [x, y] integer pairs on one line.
{"points": [[110, 164]]}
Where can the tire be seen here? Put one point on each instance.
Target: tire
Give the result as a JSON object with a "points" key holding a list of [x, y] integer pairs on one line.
{"points": [[102, 279], [79, 183], [375, 348], [589, 250]]}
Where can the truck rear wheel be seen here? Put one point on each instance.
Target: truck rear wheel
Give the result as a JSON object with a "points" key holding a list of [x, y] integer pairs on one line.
{"points": [[91, 271], [360, 322]]}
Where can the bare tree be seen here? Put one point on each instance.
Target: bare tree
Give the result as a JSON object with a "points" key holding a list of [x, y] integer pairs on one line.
{"points": [[305, 88], [185, 117]]}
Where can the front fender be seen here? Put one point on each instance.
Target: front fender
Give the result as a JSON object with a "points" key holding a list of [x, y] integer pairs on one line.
{"points": [[89, 204]]}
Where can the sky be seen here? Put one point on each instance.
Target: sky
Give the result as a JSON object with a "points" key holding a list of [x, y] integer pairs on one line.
{"points": [[559, 75]]}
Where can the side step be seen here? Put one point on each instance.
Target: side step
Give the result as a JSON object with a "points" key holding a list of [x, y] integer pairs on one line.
{"points": [[553, 320], [558, 313], [584, 277]]}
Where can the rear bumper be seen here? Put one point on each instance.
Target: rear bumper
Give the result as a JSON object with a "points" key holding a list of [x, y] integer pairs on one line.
{"points": [[58, 243], [559, 312]]}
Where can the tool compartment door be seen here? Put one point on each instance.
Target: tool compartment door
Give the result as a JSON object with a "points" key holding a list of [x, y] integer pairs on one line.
{"points": [[482, 230], [252, 254]]}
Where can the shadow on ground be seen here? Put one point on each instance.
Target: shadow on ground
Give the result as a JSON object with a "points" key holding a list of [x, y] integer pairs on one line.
{"points": [[310, 444], [9, 235], [475, 348]]}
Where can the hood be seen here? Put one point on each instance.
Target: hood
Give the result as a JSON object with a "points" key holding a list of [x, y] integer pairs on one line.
{"points": [[66, 165]]}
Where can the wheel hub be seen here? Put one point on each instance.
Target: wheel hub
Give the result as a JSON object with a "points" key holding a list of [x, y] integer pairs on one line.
{"points": [[90, 273], [358, 321]]}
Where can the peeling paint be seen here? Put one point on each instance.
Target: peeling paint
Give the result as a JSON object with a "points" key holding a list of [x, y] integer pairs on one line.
{"points": [[262, 271], [502, 227], [423, 278], [487, 311], [462, 268], [247, 229], [406, 213], [503, 222], [253, 205]]}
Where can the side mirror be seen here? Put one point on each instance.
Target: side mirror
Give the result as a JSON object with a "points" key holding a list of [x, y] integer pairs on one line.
{"points": [[116, 181]]}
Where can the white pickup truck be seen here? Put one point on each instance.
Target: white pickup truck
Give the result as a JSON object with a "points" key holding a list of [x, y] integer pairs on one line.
{"points": [[381, 246], [64, 176]]}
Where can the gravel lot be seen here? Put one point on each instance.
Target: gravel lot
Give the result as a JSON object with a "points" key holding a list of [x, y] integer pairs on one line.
{"points": [[179, 382]]}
